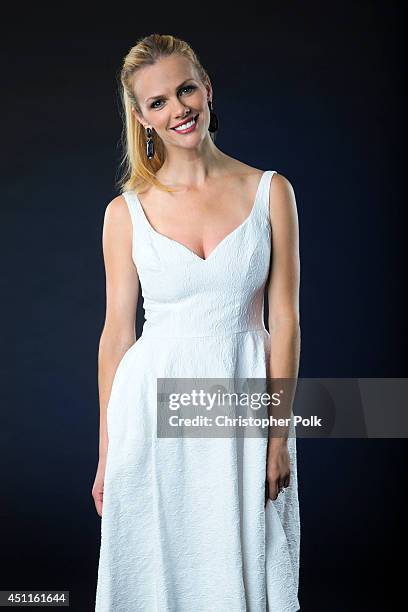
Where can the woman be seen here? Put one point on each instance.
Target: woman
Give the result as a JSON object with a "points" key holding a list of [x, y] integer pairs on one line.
{"points": [[193, 524]]}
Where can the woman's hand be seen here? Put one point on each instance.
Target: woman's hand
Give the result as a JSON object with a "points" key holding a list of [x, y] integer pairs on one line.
{"points": [[97, 489], [277, 469]]}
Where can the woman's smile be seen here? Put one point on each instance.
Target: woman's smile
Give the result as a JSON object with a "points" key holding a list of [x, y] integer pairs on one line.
{"points": [[187, 127]]}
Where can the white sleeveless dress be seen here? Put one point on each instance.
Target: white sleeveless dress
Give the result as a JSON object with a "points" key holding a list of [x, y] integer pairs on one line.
{"points": [[184, 527]]}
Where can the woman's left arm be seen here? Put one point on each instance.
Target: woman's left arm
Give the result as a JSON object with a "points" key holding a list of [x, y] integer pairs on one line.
{"points": [[283, 314]]}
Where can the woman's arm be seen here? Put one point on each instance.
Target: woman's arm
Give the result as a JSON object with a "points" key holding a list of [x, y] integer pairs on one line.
{"points": [[118, 334], [122, 291], [283, 315]]}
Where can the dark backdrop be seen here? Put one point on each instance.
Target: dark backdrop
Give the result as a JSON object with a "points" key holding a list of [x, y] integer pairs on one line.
{"points": [[313, 91]]}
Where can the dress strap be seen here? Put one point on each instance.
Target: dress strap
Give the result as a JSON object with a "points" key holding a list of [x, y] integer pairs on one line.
{"points": [[136, 212], [264, 189], [131, 204], [267, 187]]}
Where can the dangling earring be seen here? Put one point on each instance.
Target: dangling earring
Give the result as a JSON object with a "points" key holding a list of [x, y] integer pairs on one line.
{"points": [[149, 143], [213, 127]]}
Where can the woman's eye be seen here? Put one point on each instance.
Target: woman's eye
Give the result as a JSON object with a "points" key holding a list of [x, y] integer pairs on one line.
{"points": [[189, 87]]}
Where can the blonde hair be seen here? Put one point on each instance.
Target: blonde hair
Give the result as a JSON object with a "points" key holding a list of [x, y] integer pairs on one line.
{"points": [[138, 169]]}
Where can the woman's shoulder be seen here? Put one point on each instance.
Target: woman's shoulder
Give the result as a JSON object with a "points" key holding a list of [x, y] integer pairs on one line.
{"points": [[280, 185], [246, 172], [281, 194], [237, 168], [250, 176], [116, 211]]}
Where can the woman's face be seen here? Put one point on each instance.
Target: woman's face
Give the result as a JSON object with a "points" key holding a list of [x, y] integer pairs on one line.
{"points": [[169, 91]]}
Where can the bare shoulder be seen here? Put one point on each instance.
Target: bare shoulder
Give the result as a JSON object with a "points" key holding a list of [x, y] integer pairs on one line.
{"points": [[281, 184], [282, 199], [243, 177], [116, 211], [117, 224], [239, 168]]}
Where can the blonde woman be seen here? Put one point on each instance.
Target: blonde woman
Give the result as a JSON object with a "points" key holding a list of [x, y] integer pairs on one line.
{"points": [[206, 523]]}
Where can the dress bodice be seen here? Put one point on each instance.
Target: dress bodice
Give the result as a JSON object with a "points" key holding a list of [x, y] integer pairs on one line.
{"points": [[188, 296]]}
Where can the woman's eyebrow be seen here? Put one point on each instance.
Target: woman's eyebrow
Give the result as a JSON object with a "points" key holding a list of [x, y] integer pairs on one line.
{"points": [[162, 95]]}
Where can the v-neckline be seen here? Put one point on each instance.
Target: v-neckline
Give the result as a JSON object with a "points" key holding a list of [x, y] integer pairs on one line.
{"points": [[222, 242]]}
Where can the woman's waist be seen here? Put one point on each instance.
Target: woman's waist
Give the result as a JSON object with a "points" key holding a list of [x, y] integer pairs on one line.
{"points": [[212, 322], [150, 331]]}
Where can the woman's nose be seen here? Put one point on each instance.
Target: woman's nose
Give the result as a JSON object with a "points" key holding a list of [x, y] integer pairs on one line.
{"points": [[179, 110]]}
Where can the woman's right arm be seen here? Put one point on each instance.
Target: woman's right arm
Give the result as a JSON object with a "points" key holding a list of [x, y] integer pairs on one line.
{"points": [[118, 334]]}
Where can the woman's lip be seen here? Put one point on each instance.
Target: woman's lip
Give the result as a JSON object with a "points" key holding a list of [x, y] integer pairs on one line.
{"points": [[195, 119]]}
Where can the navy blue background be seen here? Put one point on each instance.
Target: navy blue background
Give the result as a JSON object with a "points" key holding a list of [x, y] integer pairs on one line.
{"points": [[314, 92]]}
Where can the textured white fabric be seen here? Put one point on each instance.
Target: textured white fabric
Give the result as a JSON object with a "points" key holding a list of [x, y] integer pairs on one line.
{"points": [[184, 526]]}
